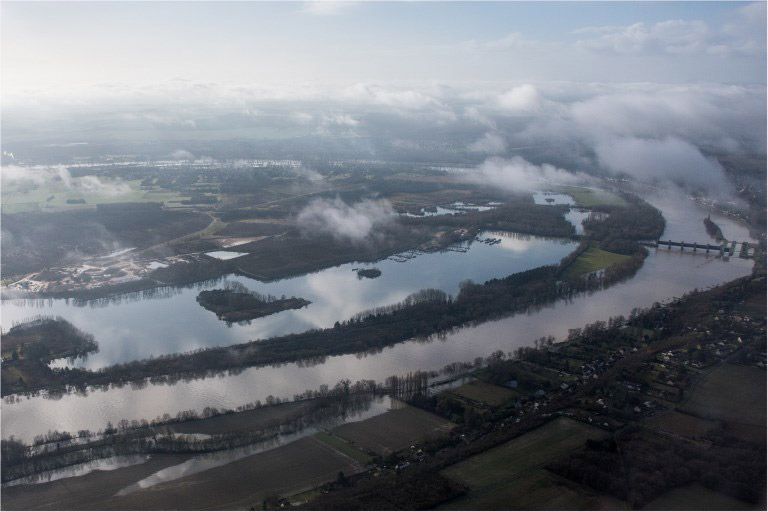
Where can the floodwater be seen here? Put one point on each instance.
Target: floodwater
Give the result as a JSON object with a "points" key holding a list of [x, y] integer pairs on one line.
{"points": [[665, 274], [195, 464], [106, 464], [131, 330]]}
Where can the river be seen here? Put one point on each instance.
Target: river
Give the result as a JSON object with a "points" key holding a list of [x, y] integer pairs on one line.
{"points": [[664, 275]]}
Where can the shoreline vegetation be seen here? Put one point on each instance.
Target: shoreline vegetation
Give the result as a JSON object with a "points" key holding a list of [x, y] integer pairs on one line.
{"points": [[620, 346], [236, 303], [421, 315], [29, 347]]}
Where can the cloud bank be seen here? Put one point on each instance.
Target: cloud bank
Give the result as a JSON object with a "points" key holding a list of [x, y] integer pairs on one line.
{"points": [[669, 159], [355, 223], [14, 175], [518, 174]]}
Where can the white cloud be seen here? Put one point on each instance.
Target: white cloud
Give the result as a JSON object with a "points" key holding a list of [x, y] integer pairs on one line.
{"points": [[340, 120], [666, 160], [43, 174], [744, 35], [354, 223], [373, 94], [473, 114], [182, 154], [516, 174], [302, 117], [523, 99], [490, 143]]}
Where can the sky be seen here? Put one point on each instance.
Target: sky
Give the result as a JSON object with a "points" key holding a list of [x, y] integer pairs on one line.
{"points": [[66, 47], [654, 90]]}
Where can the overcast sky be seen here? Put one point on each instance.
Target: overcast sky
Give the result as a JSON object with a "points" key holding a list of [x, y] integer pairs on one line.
{"points": [[61, 47]]}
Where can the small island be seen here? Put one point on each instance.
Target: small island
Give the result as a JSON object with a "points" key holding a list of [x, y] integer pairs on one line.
{"points": [[238, 304], [370, 273], [29, 347], [713, 229]]}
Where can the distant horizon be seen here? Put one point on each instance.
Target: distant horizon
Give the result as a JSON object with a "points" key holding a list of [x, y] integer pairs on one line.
{"points": [[62, 48]]}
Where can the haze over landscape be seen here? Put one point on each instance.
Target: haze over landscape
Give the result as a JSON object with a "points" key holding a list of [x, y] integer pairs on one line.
{"points": [[383, 255]]}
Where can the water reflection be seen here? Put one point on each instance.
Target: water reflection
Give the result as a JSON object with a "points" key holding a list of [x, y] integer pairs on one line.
{"points": [[665, 274], [133, 327], [208, 461], [106, 464]]}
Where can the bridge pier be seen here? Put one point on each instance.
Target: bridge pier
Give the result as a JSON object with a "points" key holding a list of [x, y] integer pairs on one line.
{"points": [[682, 245]]}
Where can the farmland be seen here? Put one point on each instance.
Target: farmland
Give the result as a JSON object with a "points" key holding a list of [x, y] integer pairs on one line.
{"points": [[342, 446], [523, 454], [682, 424], [90, 491], [696, 497], [76, 194], [731, 393], [246, 421], [535, 490], [287, 470], [394, 430], [592, 198], [513, 473], [594, 259], [484, 393]]}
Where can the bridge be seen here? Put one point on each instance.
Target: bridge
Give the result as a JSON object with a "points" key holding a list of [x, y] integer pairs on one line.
{"points": [[724, 249]]}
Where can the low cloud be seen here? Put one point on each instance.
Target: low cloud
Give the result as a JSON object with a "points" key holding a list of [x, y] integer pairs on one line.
{"points": [[744, 34], [356, 222], [35, 176], [667, 160], [490, 143], [523, 99], [516, 173], [473, 114], [182, 154]]}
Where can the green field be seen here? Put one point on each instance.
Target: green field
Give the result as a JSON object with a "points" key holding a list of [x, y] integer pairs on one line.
{"points": [[590, 198], [730, 393], [594, 259], [697, 497], [485, 393], [53, 196], [343, 447], [498, 476]]}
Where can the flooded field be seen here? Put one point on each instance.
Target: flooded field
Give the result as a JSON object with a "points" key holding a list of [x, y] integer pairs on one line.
{"points": [[665, 274]]}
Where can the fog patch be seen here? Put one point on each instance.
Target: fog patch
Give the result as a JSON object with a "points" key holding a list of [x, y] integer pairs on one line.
{"points": [[307, 173], [473, 114], [523, 99], [182, 154], [355, 222], [670, 159], [40, 175], [490, 143], [516, 173]]}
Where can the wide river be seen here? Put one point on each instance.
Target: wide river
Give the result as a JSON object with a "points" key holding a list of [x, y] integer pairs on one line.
{"points": [[135, 329]]}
